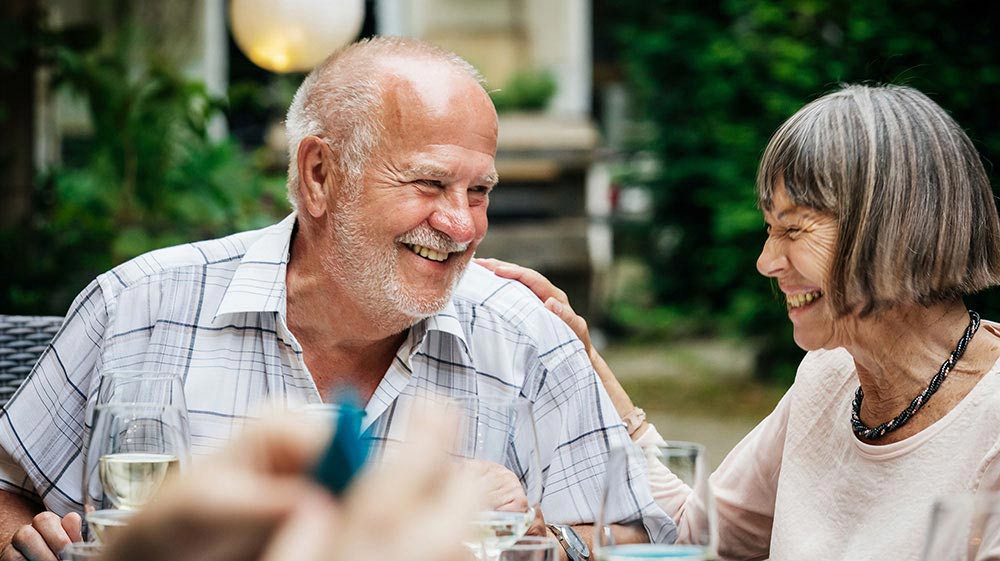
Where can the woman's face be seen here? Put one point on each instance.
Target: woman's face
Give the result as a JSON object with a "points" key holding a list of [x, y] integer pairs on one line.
{"points": [[798, 254]]}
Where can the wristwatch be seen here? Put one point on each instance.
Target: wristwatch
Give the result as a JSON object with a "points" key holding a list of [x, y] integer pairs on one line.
{"points": [[575, 547]]}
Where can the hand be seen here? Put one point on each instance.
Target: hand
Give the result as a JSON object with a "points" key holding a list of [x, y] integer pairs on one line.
{"points": [[44, 538], [503, 488], [257, 502], [400, 511], [554, 299], [230, 507]]}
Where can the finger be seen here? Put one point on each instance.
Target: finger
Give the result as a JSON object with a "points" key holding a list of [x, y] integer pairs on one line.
{"points": [[222, 495], [73, 525], [306, 534], [571, 319], [407, 483], [279, 446], [31, 545], [535, 281], [490, 262], [442, 513], [49, 526], [538, 527], [10, 553]]}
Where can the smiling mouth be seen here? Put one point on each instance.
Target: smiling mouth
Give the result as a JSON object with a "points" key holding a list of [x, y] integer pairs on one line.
{"points": [[428, 253], [793, 301]]}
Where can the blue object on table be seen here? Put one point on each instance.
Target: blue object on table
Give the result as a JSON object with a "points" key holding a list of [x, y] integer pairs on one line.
{"points": [[347, 452]]}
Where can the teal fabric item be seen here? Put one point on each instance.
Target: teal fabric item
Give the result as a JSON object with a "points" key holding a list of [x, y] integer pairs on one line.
{"points": [[347, 452]]}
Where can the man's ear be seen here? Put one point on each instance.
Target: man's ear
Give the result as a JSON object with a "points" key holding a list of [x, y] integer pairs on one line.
{"points": [[316, 176]]}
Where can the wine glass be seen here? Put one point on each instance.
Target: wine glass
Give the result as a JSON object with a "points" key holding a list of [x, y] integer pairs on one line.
{"points": [[683, 466], [139, 386], [964, 527], [81, 551], [133, 449], [532, 549], [499, 433]]}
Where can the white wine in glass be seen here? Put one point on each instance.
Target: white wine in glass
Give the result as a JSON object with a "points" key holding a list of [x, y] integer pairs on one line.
{"points": [[131, 479], [133, 449]]}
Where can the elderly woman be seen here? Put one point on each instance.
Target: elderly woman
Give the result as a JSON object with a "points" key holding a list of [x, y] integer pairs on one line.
{"points": [[880, 219]]}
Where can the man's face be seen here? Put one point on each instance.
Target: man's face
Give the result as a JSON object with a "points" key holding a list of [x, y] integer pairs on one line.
{"points": [[402, 241]]}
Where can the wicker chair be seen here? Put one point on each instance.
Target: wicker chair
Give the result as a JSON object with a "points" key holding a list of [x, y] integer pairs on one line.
{"points": [[22, 340]]}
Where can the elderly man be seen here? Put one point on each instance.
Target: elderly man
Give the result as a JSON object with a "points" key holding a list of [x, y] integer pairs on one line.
{"points": [[392, 146]]}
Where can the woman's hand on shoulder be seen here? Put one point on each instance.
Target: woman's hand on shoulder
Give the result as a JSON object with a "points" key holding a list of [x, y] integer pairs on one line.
{"points": [[552, 297]]}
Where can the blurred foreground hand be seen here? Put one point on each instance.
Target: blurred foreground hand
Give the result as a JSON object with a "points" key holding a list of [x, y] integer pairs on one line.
{"points": [[257, 502]]}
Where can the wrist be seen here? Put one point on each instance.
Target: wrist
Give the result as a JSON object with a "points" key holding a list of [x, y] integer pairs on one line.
{"points": [[635, 421], [573, 546], [562, 555]]}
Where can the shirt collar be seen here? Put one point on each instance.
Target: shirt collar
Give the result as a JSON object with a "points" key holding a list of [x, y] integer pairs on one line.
{"points": [[445, 321], [258, 284]]}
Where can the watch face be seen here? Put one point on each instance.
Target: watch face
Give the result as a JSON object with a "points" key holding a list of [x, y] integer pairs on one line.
{"points": [[574, 541]]}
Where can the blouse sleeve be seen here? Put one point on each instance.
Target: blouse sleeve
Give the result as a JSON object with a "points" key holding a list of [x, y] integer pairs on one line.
{"points": [[745, 487]]}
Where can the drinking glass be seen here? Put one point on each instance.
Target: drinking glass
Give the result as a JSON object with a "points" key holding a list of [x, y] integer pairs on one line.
{"points": [[682, 466], [133, 449], [81, 551], [140, 386], [964, 527], [532, 549], [499, 431]]}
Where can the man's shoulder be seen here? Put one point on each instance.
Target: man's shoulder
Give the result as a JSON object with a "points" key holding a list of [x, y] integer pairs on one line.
{"points": [[502, 299], [220, 253], [504, 314]]}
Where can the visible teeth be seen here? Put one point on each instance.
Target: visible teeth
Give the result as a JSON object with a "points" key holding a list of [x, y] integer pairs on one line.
{"points": [[799, 300], [427, 252]]}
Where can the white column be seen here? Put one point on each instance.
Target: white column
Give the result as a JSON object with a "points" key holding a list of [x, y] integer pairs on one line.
{"points": [[391, 18], [560, 34], [215, 58]]}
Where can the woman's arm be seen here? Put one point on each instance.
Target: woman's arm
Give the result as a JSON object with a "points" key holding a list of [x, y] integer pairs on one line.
{"points": [[745, 484], [556, 301]]}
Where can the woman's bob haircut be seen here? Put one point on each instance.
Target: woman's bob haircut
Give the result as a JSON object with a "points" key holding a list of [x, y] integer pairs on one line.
{"points": [[915, 212]]}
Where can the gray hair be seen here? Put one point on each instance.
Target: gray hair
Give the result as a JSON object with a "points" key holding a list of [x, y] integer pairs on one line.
{"points": [[916, 217], [341, 102]]}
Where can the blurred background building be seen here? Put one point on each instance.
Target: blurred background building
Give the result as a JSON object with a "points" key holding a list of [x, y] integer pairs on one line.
{"points": [[552, 210]]}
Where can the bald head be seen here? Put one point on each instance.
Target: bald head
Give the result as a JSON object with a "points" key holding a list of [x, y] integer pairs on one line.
{"points": [[346, 100]]}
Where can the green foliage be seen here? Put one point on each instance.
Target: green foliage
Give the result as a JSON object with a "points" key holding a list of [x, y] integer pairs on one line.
{"points": [[526, 90], [147, 177], [717, 78]]}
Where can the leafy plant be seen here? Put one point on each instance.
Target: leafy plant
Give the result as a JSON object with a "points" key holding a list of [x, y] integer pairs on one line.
{"points": [[526, 90], [148, 176]]}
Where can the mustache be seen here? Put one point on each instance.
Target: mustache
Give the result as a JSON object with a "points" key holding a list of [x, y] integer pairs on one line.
{"points": [[430, 238]]}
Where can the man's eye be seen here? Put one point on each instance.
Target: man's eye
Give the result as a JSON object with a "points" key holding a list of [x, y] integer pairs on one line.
{"points": [[430, 183], [481, 189]]}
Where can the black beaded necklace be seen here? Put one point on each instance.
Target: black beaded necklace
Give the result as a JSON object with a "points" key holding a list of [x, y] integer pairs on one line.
{"points": [[864, 431]]}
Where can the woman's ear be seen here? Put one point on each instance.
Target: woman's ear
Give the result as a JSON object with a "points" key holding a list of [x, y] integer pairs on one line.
{"points": [[316, 176]]}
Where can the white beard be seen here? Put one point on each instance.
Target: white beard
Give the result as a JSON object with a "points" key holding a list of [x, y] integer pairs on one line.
{"points": [[368, 270]]}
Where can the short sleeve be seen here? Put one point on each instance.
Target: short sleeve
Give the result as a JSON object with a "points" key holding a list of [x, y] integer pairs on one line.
{"points": [[42, 426]]}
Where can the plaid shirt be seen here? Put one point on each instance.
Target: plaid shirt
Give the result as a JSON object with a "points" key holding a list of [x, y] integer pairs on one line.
{"points": [[215, 311]]}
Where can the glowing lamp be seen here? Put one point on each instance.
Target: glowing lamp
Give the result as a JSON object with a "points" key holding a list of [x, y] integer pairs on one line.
{"points": [[293, 35]]}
